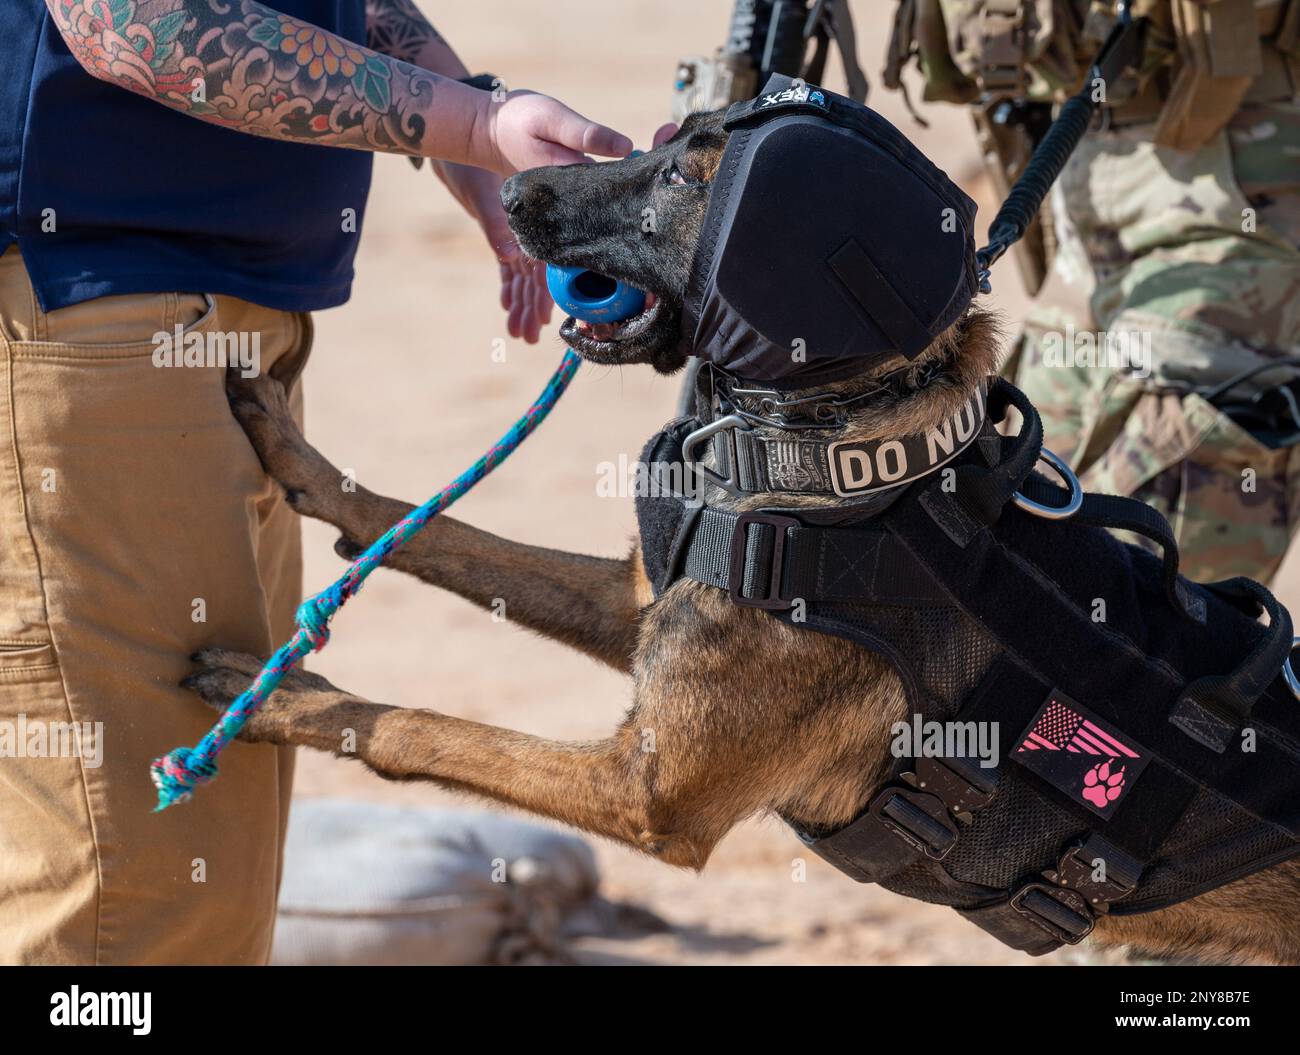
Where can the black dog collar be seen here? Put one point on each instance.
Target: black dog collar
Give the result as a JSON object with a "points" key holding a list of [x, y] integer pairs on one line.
{"points": [[747, 460]]}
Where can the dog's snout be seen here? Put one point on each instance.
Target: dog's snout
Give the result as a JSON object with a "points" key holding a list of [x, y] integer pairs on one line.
{"points": [[525, 192], [512, 193]]}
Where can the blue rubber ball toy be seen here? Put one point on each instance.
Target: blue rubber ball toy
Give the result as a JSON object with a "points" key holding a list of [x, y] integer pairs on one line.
{"points": [[592, 297]]}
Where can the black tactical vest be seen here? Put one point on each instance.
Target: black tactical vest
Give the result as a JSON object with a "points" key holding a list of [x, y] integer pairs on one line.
{"points": [[1148, 742]]}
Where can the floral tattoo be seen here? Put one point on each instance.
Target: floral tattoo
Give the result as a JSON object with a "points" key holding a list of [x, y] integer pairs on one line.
{"points": [[245, 66]]}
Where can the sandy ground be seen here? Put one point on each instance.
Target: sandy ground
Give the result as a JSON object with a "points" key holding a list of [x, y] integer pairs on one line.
{"points": [[403, 389]]}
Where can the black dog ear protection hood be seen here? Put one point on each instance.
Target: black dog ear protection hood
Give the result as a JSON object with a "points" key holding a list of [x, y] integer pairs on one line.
{"points": [[830, 243]]}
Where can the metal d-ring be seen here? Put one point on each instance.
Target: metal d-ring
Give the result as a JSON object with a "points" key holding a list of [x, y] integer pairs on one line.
{"points": [[1068, 478], [694, 439], [1292, 682]]}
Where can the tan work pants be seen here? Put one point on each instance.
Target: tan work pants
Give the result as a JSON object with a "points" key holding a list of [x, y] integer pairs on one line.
{"points": [[136, 525]]}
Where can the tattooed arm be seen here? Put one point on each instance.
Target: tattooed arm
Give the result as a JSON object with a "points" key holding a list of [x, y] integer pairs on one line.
{"points": [[398, 29], [241, 65]]}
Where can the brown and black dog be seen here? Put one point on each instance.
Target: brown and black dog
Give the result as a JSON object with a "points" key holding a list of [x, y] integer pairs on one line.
{"points": [[786, 730]]}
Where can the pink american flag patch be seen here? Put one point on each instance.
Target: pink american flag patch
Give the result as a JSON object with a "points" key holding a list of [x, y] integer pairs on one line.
{"points": [[1060, 728], [1080, 754]]}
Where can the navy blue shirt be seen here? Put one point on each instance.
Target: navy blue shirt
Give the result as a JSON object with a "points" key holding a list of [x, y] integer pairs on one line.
{"points": [[145, 199]]}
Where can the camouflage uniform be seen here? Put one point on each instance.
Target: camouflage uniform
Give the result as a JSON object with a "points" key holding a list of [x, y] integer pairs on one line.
{"points": [[1197, 247]]}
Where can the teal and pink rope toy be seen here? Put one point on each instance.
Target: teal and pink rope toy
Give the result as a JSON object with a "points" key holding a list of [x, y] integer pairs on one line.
{"points": [[178, 773]]}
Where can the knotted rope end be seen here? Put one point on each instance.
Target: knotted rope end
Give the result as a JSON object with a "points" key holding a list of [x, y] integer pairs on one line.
{"points": [[177, 773]]}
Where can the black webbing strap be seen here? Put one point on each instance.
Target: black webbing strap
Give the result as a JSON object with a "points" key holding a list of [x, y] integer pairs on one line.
{"points": [[897, 829], [1212, 710], [773, 560], [916, 817], [708, 549], [982, 490], [1061, 907], [1116, 512]]}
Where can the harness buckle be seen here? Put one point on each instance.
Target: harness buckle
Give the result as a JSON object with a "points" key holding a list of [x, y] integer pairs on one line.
{"points": [[1064, 914], [1067, 905], [921, 820], [1077, 871], [741, 556], [960, 783], [706, 432]]}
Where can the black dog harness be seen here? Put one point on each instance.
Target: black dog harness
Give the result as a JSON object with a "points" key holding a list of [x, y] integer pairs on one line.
{"points": [[1148, 739], [1147, 728]]}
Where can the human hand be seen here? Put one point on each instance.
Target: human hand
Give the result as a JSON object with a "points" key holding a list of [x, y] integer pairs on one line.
{"points": [[526, 130], [524, 295], [663, 134]]}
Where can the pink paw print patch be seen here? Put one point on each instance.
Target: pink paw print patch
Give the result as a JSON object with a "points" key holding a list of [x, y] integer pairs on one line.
{"points": [[1080, 754], [1103, 784]]}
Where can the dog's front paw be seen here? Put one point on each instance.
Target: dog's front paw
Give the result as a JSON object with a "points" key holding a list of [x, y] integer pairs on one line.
{"points": [[261, 406], [348, 549], [220, 677]]}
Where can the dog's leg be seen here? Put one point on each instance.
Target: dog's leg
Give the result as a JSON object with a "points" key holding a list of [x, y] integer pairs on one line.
{"points": [[664, 800], [588, 603], [690, 760]]}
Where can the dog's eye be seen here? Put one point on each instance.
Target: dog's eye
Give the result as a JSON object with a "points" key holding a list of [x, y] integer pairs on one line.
{"points": [[673, 175]]}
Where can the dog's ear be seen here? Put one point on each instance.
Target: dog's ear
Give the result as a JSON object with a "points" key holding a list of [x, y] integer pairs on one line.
{"points": [[287, 368]]}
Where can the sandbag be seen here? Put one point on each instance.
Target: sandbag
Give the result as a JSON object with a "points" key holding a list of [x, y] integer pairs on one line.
{"points": [[369, 883]]}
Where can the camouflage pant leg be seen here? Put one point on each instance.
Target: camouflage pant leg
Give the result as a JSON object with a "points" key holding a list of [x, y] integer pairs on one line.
{"points": [[1194, 260]]}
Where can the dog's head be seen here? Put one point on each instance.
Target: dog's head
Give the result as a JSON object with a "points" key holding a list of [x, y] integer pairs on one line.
{"points": [[636, 220]]}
